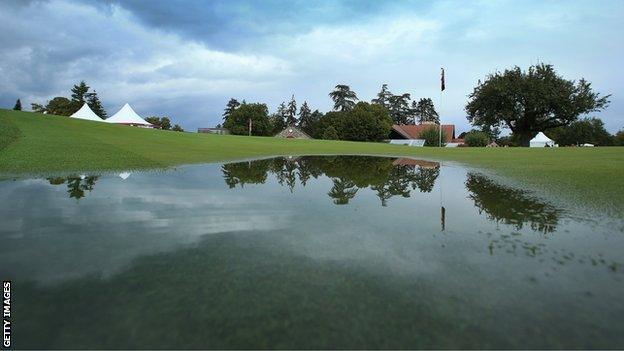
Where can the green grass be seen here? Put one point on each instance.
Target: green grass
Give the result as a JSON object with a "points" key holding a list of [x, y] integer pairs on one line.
{"points": [[32, 143]]}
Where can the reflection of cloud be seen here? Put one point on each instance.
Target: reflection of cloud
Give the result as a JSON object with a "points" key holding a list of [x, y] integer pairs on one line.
{"points": [[49, 237], [118, 222]]}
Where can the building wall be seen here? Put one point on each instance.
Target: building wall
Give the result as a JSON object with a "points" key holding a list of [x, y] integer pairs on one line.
{"points": [[222, 131]]}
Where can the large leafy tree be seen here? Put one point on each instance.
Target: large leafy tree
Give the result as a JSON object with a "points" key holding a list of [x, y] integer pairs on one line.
{"points": [[18, 105], [238, 121], [399, 108], [96, 105], [383, 97], [230, 107], [531, 101], [344, 98], [424, 111], [291, 112]]}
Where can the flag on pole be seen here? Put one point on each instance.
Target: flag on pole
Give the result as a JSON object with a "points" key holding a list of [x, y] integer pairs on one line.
{"points": [[442, 87], [250, 127]]}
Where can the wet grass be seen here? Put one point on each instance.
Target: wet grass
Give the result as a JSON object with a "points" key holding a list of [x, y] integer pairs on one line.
{"points": [[33, 143], [237, 290]]}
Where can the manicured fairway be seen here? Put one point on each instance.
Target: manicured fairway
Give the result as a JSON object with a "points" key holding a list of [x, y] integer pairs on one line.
{"points": [[33, 143]]}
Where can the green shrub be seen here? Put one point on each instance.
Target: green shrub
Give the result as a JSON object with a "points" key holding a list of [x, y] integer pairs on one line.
{"points": [[330, 133], [238, 121], [432, 135], [365, 122], [476, 139], [618, 138], [507, 141]]}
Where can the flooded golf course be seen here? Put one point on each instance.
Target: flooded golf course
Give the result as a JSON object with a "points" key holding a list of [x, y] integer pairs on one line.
{"points": [[306, 252]]}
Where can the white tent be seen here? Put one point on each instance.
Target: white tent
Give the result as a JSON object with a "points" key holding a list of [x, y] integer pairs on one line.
{"points": [[127, 116], [541, 140], [86, 113]]}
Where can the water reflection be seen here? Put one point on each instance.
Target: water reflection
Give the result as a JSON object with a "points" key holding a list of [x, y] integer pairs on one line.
{"points": [[511, 206], [388, 177], [76, 185], [258, 255]]}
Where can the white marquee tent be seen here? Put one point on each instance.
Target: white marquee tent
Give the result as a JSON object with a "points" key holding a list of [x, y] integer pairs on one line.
{"points": [[541, 140], [127, 116], [86, 113]]}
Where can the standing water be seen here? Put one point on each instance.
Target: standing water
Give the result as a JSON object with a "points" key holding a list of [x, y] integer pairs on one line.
{"points": [[307, 252]]}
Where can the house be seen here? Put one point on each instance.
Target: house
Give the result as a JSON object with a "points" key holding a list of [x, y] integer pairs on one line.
{"points": [[292, 132], [220, 131], [412, 131]]}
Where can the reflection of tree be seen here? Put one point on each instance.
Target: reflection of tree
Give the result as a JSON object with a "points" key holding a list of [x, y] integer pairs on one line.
{"points": [[342, 191], [425, 178], [405, 175], [387, 176], [252, 172], [76, 186], [511, 206]]}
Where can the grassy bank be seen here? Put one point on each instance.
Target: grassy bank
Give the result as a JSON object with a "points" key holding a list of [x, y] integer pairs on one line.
{"points": [[34, 143]]}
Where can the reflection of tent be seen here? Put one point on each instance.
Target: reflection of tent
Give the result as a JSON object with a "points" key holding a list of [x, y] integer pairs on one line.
{"points": [[541, 140], [127, 116], [86, 113], [124, 175]]}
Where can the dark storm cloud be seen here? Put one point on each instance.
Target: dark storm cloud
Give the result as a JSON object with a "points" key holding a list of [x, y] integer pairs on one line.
{"points": [[229, 24], [185, 59]]}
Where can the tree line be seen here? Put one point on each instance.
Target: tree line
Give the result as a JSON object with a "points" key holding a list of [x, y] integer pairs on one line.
{"points": [[62, 106], [523, 101], [349, 174], [81, 94], [350, 118]]}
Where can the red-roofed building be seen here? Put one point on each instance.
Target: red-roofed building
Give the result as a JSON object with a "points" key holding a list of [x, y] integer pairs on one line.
{"points": [[411, 131]]}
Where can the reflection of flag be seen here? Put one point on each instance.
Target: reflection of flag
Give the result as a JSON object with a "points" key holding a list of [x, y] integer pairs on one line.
{"points": [[442, 86]]}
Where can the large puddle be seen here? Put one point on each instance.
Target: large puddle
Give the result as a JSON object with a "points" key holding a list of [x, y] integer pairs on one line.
{"points": [[307, 252]]}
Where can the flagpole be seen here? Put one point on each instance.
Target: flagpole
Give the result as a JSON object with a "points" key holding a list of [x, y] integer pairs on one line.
{"points": [[442, 87], [442, 209]]}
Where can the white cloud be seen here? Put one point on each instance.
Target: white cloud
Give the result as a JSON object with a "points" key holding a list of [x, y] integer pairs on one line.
{"points": [[63, 42]]}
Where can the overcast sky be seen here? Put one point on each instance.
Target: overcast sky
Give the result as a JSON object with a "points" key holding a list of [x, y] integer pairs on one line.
{"points": [[185, 59]]}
